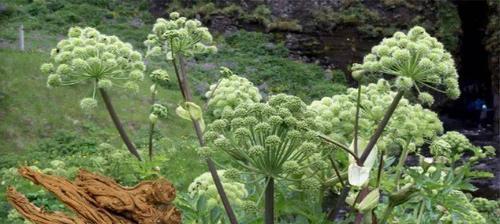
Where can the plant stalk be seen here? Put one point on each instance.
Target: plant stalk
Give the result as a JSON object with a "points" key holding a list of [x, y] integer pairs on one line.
{"points": [[373, 140], [186, 94], [361, 196], [356, 121], [109, 106], [151, 130], [269, 202], [381, 126], [150, 140], [399, 167]]}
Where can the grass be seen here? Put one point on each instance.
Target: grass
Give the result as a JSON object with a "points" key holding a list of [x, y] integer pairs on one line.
{"points": [[29, 110]]}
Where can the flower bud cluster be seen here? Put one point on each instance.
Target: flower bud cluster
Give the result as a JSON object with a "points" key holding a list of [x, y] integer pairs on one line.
{"points": [[160, 76], [89, 56], [415, 59], [453, 144], [270, 138], [231, 92], [485, 205], [334, 116], [158, 111], [204, 185], [179, 35]]}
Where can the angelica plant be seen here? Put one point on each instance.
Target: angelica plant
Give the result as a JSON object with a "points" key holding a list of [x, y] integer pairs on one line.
{"points": [[158, 111], [229, 92], [415, 60], [101, 61], [174, 40], [268, 140], [204, 185], [201, 204]]}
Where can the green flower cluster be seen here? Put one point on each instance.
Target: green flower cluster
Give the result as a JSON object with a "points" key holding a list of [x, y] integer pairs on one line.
{"points": [[485, 205], [179, 36], [204, 185], [160, 76], [89, 56], [230, 92], [451, 142], [334, 116], [158, 111], [452, 145], [266, 138], [466, 215], [415, 59]]}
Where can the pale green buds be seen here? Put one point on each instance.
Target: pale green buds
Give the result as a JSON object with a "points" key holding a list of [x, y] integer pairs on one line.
{"points": [[253, 130], [404, 83], [87, 56], [272, 141], [440, 147], [54, 80], [158, 111], [179, 36], [203, 185], [334, 116], [205, 152], [232, 174], [159, 76], [174, 15], [47, 68], [132, 86], [291, 167], [230, 92], [416, 56], [137, 75], [104, 83], [426, 98], [88, 104], [153, 118]]}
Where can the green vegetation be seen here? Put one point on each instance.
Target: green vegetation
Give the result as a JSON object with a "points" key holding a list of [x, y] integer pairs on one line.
{"points": [[279, 155], [44, 18], [251, 55]]}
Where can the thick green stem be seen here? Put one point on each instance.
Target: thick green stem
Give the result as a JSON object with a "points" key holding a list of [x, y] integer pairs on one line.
{"points": [[381, 126], [356, 121], [150, 141], [361, 196], [399, 167], [186, 94], [151, 130], [380, 168], [112, 113], [373, 140], [269, 202]]}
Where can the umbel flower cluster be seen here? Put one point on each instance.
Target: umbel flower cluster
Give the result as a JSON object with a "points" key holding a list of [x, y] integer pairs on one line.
{"points": [[89, 56], [416, 60], [179, 36], [204, 185], [334, 116], [452, 145], [266, 138], [230, 92], [158, 111]]}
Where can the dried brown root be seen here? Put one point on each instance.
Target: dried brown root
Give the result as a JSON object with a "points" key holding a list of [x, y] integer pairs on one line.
{"points": [[99, 199]]}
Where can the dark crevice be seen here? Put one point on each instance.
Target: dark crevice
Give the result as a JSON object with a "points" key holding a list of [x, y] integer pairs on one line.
{"points": [[472, 111]]}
